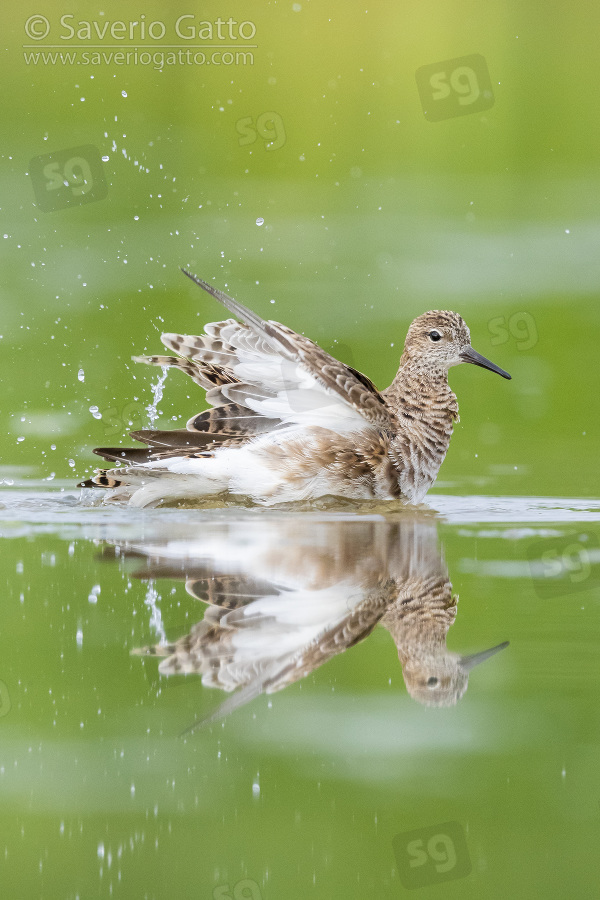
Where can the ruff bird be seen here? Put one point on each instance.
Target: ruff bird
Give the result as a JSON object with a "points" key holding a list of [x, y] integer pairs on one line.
{"points": [[291, 423]]}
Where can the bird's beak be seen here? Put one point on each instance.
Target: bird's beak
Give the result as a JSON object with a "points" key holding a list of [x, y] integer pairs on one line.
{"points": [[469, 662], [472, 356]]}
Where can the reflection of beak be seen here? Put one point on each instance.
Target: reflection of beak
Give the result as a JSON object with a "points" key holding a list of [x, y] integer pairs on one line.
{"points": [[472, 356], [469, 662]]}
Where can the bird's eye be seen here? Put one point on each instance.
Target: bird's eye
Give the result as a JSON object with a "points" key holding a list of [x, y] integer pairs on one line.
{"points": [[432, 682], [435, 335]]}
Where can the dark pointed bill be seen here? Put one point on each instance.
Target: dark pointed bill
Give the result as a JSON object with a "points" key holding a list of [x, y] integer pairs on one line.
{"points": [[469, 662], [472, 356]]}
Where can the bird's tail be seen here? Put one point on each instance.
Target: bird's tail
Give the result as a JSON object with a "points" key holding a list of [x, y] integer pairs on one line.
{"points": [[147, 487]]}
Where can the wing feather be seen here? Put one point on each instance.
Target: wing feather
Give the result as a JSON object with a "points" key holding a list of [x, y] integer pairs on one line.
{"points": [[351, 386], [258, 375]]}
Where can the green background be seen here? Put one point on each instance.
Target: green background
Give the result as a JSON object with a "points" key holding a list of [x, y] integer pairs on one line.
{"points": [[372, 215]]}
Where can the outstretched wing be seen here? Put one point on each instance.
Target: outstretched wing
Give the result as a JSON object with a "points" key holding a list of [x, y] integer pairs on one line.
{"points": [[329, 374], [258, 375]]}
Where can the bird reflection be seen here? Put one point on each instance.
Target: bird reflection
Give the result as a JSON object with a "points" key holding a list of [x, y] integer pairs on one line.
{"points": [[287, 594]]}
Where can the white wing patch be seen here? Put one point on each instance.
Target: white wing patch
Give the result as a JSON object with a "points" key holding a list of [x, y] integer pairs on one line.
{"points": [[271, 385], [292, 394]]}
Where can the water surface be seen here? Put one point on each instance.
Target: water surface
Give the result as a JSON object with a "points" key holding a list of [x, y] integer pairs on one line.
{"points": [[336, 744]]}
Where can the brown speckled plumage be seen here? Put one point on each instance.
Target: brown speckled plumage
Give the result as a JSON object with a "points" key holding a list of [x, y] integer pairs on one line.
{"points": [[289, 422]]}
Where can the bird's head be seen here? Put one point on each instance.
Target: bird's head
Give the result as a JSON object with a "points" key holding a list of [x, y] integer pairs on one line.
{"points": [[440, 339]]}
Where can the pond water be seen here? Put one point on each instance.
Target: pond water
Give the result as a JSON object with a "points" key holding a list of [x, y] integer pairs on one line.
{"points": [[351, 736]]}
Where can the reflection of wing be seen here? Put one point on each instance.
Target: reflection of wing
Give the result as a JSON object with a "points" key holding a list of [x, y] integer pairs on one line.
{"points": [[283, 669], [286, 636], [274, 640], [287, 594]]}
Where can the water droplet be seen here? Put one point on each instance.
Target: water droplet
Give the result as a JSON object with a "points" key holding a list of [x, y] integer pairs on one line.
{"points": [[260, 221], [81, 375]]}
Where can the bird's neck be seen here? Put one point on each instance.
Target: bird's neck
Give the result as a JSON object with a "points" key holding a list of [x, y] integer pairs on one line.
{"points": [[426, 409], [422, 392], [421, 616]]}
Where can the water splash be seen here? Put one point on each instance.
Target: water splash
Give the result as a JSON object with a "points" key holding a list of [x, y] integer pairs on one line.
{"points": [[157, 393], [156, 621]]}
